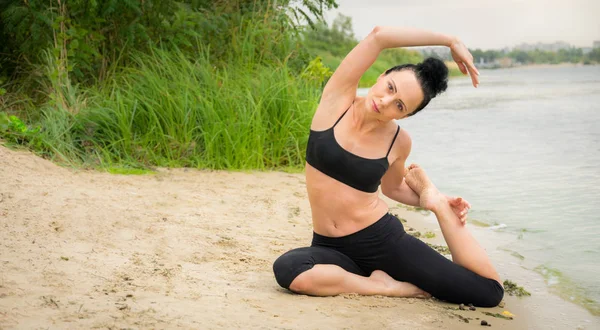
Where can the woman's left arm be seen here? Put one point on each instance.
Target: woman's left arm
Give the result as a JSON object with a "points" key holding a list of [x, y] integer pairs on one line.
{"points": [[392, 183], [395, 187]]}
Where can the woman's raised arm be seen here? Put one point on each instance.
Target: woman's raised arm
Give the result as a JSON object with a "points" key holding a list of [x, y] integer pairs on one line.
{"points": [[355, 64]]}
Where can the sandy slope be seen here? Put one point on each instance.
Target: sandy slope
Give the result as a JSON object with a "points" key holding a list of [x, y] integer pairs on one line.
{"points": [[180, 248]]}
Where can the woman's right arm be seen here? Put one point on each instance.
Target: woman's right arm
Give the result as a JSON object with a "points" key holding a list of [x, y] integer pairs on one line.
{"points": [[345, 79]]}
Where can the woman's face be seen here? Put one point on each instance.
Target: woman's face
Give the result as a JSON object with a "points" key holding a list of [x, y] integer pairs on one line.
{"points": [[394, 96]]}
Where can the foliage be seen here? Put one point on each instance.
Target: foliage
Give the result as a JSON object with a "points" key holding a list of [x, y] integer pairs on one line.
{"points": [[174, 111], [593, 56], [133, 84], [15, 131], [90, 38], [338, 39], [171, 110], [316, 72], [332, 43]]}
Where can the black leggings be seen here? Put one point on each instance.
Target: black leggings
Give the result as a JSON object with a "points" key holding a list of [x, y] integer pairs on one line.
{"points": [[385, 246]]}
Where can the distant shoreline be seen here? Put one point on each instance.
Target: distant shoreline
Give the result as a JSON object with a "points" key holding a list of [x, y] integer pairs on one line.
{"points": [[546, 65], [452, 66], [541, 66]]}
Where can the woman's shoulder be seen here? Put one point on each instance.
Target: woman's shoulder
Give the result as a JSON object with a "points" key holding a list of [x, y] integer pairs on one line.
{"points": [[402, 143], [330, 108]]}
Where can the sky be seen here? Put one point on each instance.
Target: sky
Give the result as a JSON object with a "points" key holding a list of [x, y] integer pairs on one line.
{"points": [[485, 24]]}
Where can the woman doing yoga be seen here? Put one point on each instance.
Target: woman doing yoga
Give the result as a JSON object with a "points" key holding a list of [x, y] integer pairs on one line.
{"points": [[354, 147]]}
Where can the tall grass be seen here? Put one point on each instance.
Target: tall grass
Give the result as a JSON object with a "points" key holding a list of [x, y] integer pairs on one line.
{"points": [[170, 110], [173, 111], [245, 105]]}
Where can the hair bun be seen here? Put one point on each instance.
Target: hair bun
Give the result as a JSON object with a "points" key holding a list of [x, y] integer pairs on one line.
{"points": [[434, 75]]}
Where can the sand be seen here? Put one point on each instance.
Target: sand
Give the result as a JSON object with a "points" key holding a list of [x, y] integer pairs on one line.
{"points": [[194, 249]]}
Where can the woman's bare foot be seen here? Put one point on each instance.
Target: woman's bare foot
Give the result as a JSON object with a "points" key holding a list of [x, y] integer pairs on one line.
{"points": [[429, 196], [397, 288]]}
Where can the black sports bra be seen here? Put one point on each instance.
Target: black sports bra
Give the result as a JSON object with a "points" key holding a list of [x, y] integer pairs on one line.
{"points": [[326, 155]]}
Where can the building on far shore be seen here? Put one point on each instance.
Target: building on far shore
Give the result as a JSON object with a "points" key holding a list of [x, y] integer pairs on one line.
{"points": [[506, 62], [552, 47], [596, 44]]}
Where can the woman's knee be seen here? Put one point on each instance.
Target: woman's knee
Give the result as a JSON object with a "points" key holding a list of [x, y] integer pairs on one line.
{"points": [[301, 284], [281, 269], [289, 266], [489, 295], [481, 292], [494, 296]]}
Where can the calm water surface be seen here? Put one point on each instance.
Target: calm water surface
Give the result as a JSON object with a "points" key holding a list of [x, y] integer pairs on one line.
{"points": [[524, 149]]}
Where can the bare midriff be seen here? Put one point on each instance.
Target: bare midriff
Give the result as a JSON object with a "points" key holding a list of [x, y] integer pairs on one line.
{"points": [[338, 209]]}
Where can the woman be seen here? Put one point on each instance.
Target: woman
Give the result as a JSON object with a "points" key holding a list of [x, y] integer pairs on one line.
{"points": [[357, 246]]}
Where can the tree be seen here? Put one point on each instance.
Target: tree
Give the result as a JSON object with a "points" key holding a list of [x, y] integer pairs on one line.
{"points": [[89, 37]]}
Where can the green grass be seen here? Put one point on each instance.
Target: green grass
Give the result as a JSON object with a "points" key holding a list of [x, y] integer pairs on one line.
{"points": [[128, 171], [173, 111]]}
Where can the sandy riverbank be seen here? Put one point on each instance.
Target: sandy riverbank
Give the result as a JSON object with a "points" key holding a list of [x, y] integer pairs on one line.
{"points": [[194, 249]]}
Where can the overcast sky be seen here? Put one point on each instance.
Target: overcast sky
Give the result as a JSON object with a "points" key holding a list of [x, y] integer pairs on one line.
{"points": [[487, 24]]}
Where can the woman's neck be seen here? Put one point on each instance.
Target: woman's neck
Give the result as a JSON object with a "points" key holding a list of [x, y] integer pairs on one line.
{"points": [[362, 119]]}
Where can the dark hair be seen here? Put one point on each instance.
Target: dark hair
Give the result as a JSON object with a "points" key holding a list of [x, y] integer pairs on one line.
{"points": [[432, 74]]}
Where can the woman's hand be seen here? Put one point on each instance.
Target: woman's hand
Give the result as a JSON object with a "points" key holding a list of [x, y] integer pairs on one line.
{"points": [[460, 207], [464, 59]]}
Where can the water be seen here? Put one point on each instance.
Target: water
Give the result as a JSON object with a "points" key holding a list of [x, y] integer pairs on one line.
{"points": [[524, 150]]}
